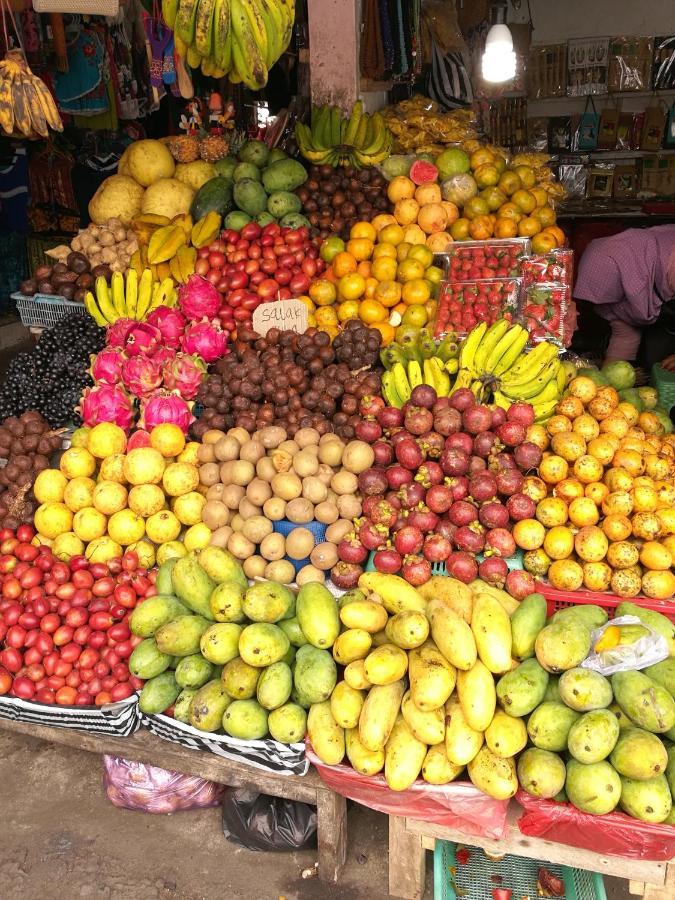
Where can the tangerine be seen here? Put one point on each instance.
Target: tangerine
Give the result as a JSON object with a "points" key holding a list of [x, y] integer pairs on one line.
{"points": [[481, 228], [363, 230], [371, 311], [388, 293], [416, 291], [322, 292], [529, 226], [342, 264], [524, 200], [527, 176], [400, 188], [391, 234], [414, 235], [386, 330], [486, 175], [384, 268], [543, 243], [351, 286], [509, 182], [474, 207], [460, 229], [409, 269], [506, 228], [348, 309]]}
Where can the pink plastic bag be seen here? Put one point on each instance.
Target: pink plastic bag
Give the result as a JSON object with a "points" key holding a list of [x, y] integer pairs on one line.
{"points": [[134, 785], [456, 805], [615, 833]]}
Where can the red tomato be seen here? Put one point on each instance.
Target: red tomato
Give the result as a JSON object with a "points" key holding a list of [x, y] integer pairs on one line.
{"points": [[35, 672], [60, 572], [63, 635], [45, 695], [11, 589], [62, 668], [124, 649], [50, 661], [121, 671], [101, 620], [65, 696], [11, 613], [5, 681], [81, 634], [78, 562], [73, 679], [65, 590], [121, 691], [23, 688], [25, 533], [32, 656]]}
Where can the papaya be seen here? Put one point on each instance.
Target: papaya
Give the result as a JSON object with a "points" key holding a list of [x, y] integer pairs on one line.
{"points": [[367, 762], [317, 612], [364, 614], [541, 773], [386, 664], [262, 644], [147, 661], [462, 742], [379, 713], [267, 601], [192, 585], [437, 768], [246, 720], [346, 705], [505, 735], [220, 642], [452, 635], [154, 612], [491, 627], [226, 602], [326, 736], [428, 727], [352, 644], [193, 671], [208, 705], [288, 723], [584, 689], [181, 636], [522, 689], [315, 673], [639, 754], [404, 755], [274, 685], [493, 775], [408, 629], [432, 677], [158, 694], [593, 737], [239, 679], [477, 695], [526, 623], [644, 701]]}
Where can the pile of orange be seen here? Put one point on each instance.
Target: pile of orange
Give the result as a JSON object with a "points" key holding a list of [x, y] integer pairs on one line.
{"points": [[605, 497], [376, 276]]}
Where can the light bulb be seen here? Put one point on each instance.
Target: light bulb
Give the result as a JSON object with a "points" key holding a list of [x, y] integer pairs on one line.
{"points": [[499, 58]]}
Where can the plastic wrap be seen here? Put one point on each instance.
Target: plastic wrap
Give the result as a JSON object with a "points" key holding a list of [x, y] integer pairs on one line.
{"points": [[544, 310], [462, 304], [546, 267], [260, 822], [630, 64], [455, 805], [615, 833], [499, 258], [137, 786], [648, 650]]}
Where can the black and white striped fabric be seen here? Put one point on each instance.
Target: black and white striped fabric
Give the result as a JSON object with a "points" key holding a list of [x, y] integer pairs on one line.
{"points": [[448, 82], [119, 719], [272, 756]]}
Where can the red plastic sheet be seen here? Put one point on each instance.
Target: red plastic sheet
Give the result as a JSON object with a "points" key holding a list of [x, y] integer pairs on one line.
{"points": [[455, 805], [615, 833]]}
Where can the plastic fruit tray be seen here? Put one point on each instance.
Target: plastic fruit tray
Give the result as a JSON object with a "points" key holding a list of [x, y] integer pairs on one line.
{"points": [[499, 258], [463, 304], [560, 599]]}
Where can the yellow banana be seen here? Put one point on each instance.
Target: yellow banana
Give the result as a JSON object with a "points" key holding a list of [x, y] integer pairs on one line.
{"points": [[117, 294], [452, 366], [530, 364], [222, 37], [37, 115], [391, 395], [560, 378], [548, 393], [467, 352], [185, 21], [492, 337], [353, 123], [508, 350], [144, 294], [530, 388], [414, 373], [500, 400], [464, 380], [442, 379], [93, 310], [403, 387], [6, 103], [131, 293], [204, 27], [104, 300]]}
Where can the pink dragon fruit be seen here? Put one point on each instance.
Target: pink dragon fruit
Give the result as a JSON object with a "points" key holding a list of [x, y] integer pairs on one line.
{"points": [[117, 332], [141, 375], [163, 355], [199, 298], [206, 339], [171, 322], [142, 339], [165, 406], [184, 374], [107, 403], [106, 366]]}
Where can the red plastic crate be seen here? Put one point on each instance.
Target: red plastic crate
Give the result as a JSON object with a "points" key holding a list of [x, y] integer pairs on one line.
{"points": [[560, 599]]}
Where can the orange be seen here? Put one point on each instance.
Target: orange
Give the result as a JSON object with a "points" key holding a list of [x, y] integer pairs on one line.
{"points": [[363, 230], [414, 235], [506, 228], [542, 243], [460, 229], [351, 286], [390, 234], [416, 291], [434, 274], [486, 175], [387, 250], [405, 211], [422, 253], [384, 268], [475, 207], [525, 201], [331, 247], [438, 242], [403, 250], [371, 311], [400, 188], [381, 220], [322, 292], [546, 215], [481, 228], [557, 233], [388, 293], [386, 330], [364, 268], [326, 316], [409, 269], [526, 175], [529, 226], [343, 264], [348, 309], [493, 197], [415, 316], [509, 211], [539, 195], [371, 287], [509, 182], [481, 157], [360, 248]]}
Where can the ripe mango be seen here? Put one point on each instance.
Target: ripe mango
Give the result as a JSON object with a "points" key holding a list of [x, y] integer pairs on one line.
{"points": [[395, 592], [155, 612], [493, 775], [491, 629], [192, 585], [403, 756], [220, 565], [432, 677], [246, 720], [262, 644], [662, 673], [346, 704], [225, 602], [181, 706], [365, 615], [639, 754], [462, 742], [352, 644], [437, 768], [593, 788], [288, 723], [505, 736], [355, 675], [208, 705], [522, 689], [584, 689], [268, 601], [526, 623], [477, 695], [541, 773], [648, 801], [592, 737], [428, 727], [317, 612], [326, 736], [367, 762], [644, 701], [562, 645], [386, 664], [379, 713], [239, 679], [181, 636], [455, 594], [220, 642], [589, 614], [452, 635], [408, 629]]}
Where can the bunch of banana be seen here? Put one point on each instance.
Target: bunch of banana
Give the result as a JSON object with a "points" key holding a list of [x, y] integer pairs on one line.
{"points": [[361, 140], [419, 345], [240, 39], [132, 298], [27, 108], [399, 381]]}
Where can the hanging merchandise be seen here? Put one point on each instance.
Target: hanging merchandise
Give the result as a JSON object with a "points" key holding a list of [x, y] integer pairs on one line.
{"points": [[27, 108], [373, 62], [589, 123], [663, 71], [81, 90], [82, 7], [587, 65]]}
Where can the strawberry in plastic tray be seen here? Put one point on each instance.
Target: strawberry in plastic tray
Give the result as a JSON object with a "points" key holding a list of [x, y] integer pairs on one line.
{"points": [[470, 260], [549, 267], [543, 311], [462, 304]]}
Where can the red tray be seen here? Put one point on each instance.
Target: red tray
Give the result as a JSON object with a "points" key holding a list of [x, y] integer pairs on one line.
{"points": [[560, 599]]}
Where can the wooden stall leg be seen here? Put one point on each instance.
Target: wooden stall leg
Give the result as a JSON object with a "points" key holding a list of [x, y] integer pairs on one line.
{"points": [[331, 812], [406, 861]]}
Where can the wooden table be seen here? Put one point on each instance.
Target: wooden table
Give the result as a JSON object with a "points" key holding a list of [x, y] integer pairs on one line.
{"points": [[147, 748], [409, 839]]}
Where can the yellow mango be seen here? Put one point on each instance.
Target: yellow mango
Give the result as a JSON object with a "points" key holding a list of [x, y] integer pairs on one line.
{"points": [[428, 727], [367, 762], [395, 592], [328, 739], [355, 676], [493, 775], [437, 768], [386, 664], [477, 694], [462, 742], [491, 627], [408, 629], [346, 705], [403, 756], [379, 714], [351, 645], [432, 677], [364, 614], [452, 635], [509, 603], [505, 736], [452, 592]]}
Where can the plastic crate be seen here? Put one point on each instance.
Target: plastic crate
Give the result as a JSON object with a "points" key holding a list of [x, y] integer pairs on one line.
{"points": [[45, 310], [480, 876], [439, 568], [560, 599], [664, 382]]}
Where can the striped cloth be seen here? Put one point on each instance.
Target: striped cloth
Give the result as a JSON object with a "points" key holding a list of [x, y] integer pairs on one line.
{"points": [[119, 719]]}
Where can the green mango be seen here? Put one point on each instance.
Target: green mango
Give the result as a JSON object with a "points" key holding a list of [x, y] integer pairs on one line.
{"points": [[549, 726], [644, 701], [181, 636], [239, 679], [315, 673], [526, 623], [594, 788], [317, 612], [541, 773], [562, 645], [593, 737], [208, 705], [639, 755], [147, 660], [288, 723], [163, 581], [274, 685], [584, 689], [181, 708], [154, 612], [300, 699], [220, 642], [267, 601], [262, 644], [552, 689], [653, 619], [648, 801], [226, 602], [670, 769], [589, 614], [220, 565], [352, 596], [193, 671], [158, 694], [245, 719], [522, 689], [192, 585], [293, 631]]}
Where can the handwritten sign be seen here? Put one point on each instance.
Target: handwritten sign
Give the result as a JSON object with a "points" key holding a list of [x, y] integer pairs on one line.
{"points": [[286, 315]]}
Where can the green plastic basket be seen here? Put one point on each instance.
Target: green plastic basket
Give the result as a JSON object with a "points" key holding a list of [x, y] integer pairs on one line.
{"points": [[664, 382], [476, 879]]}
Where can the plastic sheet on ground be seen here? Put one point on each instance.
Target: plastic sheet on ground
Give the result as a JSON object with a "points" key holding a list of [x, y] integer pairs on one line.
{"points": [[455, 805], [144, 788], [615, 834]]}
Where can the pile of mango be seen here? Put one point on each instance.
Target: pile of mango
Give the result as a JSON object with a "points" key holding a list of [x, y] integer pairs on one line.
{"points": [[452, 677]]}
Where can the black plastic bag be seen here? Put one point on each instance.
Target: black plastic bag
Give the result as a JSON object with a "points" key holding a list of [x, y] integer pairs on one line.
{"points": [[259, 822]]}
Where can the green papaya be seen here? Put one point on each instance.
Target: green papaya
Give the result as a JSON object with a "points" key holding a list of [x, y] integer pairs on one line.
{"points": [[208, 705], [245, 719], [181, 636], [192, 585], [526, 623], [317, 612], [158, 694], [644, 701], [315, 673], [155, 612], [193, 671], [147, 661], [522, 689]]}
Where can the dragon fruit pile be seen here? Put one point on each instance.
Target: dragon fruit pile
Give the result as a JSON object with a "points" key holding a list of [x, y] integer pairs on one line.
{"points": [[156, 365]]}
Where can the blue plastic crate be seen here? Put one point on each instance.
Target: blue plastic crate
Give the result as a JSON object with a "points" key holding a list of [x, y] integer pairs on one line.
{"points": [[45, 310], [284, 527], [480, 875]]}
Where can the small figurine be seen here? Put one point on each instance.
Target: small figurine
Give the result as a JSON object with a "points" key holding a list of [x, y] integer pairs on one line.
{"points": [[191, 120], [219, 113]]}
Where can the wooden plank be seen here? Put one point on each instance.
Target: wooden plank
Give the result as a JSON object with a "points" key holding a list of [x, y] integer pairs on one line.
{"points": [[331, 811], [667, 892], [407, 859], [637, 887]]}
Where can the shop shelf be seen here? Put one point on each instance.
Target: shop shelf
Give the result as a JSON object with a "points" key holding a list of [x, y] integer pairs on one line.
{"points": [[45, 310]]}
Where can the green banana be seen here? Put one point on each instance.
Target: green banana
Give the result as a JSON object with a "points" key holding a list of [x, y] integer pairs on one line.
{"points": [[204, 27], [222, 34], [513, 352], [448, 348], [335, 123], [247, 54], [185, 21], [391, 354], [169, 11], [426, 344]]}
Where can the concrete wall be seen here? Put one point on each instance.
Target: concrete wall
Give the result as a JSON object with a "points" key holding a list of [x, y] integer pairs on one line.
{"points": [[558, 20]]}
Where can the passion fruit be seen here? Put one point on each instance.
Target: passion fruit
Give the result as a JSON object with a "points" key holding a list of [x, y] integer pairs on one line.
{"points": [[616, 527], [582, 387], [597, 491], [626, 582], [566, 575], [570, 406], [591, 543], [529, 534], [597, 576], [655, 556], [588, 469], [658, 585], [559, 542], [553, 468], [622, 554], [618, 480], [534, 488], [569, 445], [536, 562], [568, 489], [586, 426], [558, 424], [646, 526], [582, 511]]}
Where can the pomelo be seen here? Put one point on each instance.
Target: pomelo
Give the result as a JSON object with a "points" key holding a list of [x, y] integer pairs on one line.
{"points": [[452, 162]]}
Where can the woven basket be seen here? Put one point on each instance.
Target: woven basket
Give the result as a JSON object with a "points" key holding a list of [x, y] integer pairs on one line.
{"points": [[84, 7]]}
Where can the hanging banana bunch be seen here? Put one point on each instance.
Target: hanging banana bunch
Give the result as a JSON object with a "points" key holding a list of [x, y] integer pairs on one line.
{"points": [[27, 108], [240, 39]]}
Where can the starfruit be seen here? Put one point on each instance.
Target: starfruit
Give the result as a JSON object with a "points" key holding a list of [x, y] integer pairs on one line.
{"points": [[182, 265], [206, 230], [184, 221], [136, 262], [163, 270], [164, 243]]}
